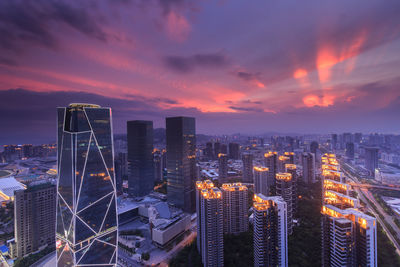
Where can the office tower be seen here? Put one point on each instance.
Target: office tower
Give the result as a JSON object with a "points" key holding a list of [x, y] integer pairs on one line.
{"points": [[212, 230], [140, 158], [234, 151], [209, 153], [290, 155], [349, 238], [27, 150], [86, 231], [270, 231], [247, 159], [334, 141], [314, 147], [282, 161], [371, 159], [200, 185], [217, 149], [222, 168], [308, 163], [118, 176], [235, 199], [284, 189], [347, 138], [158, 170], [292, 169], [224, 149], [350, 150], [261, 180], [181, 162], [357, 138], [35, 216], [271, 162]]}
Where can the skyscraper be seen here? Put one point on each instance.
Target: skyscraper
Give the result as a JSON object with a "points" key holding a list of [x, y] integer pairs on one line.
{"points": [[270, 231], [158, 170], [350, 150], [284, 189], [261, 180], [371, 159], [181, 160], [34, 217], [290, 155], [314, 147], [200, 185], [140, 157], [222, 168], [217, 149], [212, 230], [334, 141], [271, 162], [234, 197], [282, 161], [308, 162], [234, 151], [247, 159], [86, 231], [292, 169]]}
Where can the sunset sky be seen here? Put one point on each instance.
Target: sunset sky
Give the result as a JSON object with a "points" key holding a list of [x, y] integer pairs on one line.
{"points": [[237, 66]]}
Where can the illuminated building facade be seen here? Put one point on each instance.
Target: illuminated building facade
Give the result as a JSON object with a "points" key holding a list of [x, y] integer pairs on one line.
{"points": [[271, 162], [181, 162], [261, 180], [290, 155], [284, 189], [292, 169], [212, 230], [200, 185], [270, 231], [140, 157], [308, 163], [247, 159], [222, 168], [235, 199], [86, 227], [282, 161]]}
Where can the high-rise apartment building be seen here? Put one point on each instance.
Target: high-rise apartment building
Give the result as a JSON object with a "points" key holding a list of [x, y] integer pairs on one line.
{"points": [[282, 161], [350, 150], [308, 163], [314, 147], [212, 230], [200, 185], [247, 159], [217, 149], [224, 149], [34, 218], [292, 169], [181, 162], [270, 231], [140, 158], [261, 180], [86, 228], [222, 168], [234, 151], [334, 141], [284, 189], [235, 199], [290, 155], [158, 169], [271, 162], [208, 151], [371, 159]]}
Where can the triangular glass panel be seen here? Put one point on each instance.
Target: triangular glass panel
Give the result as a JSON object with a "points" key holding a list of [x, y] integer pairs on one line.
{"points": [[96, 182], [60, 224], [60, 244], [113, 260], [110, 238], [111, 218], [100, 122], [66, 177], [94, 215], [66, 258], [82, 144], [80, 253], [98, 253], [82, 231], [67, 217]]}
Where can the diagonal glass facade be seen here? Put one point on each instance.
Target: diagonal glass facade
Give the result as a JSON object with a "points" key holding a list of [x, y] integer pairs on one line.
{"points": [[86, 228]]}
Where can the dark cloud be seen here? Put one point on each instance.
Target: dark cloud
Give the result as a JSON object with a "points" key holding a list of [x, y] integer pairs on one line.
{"points": [[23, 23], [188, 64], [247, 76], [246, 109]]}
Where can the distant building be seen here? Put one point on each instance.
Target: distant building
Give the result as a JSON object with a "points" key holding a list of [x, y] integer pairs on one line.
{"points": [[140, 157], [217, 149], [350, 150], [284, 189], [234, 151], [292, 169], [270, 231], [235, 208], [334, 141], [314, 147], [181, 162], [222, 168], [308, 163], [212, 229], [209, 152], [158, 169], [290, 155], [282, 161], [271, 162], [261, 180], [35, 216], [371, 159], [247, 159], [224, 149]]}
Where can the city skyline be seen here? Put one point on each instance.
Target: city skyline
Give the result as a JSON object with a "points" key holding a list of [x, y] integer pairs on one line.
{"points": [[290, 73]]}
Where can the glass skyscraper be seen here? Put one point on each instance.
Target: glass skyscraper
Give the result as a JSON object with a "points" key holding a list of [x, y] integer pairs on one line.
{"points": [[86, 231], [181, 162]]}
